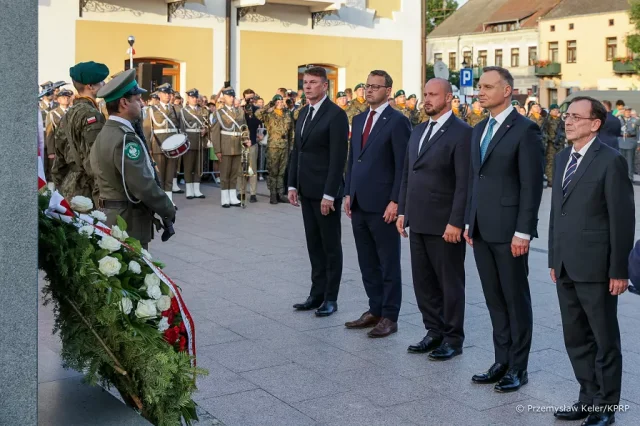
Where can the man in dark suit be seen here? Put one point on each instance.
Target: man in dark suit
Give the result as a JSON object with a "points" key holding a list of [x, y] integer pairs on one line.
{"points": [[374, 171], [611, 129], [433, 199], [505, 189], [590, 236], [316, 166], [634, 269]]}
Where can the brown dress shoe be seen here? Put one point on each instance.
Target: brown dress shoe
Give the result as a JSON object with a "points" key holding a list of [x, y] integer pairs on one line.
{"points": [[365, 321], [384, 328]]}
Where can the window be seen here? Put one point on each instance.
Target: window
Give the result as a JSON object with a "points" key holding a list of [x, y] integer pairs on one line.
{"points": [[570, 26], [437, 57], [482, 58], [572, 51], [466, 57], [499, 28], [533, 54], [612, 48], [498, 57], [611, 22], [515, 58], [553, 96], [452, 61], [553, 28], [553, 52]]}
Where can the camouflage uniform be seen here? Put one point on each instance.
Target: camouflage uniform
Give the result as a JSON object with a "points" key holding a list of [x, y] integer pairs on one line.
{"points": [[474, 118], [79, 128], [356, 107], [280, 128], [549, 136], [52, 123], [458, 113]]}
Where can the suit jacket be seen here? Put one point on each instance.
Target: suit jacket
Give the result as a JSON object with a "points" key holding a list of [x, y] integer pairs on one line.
{"points": [[375, 172], [434, 182], [591, 228], [317, 161], [634, 264], [505, 190], [610, 131]]}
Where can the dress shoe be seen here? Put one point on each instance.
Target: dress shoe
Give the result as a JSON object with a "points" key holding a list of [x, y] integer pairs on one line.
{"points": [[600, 419], [226, 206], [308, 304], [512, 381], [253, 199], [445, 352], [427, 344], [578, 411], [384, 328], [326, 309], [366, 320], [494, 374]]}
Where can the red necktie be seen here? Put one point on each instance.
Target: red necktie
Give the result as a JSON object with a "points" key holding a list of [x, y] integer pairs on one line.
{"points": [[367, 128]]}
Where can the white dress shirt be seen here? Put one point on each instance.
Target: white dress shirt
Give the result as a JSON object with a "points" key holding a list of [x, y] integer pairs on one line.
{"points": [[439, 123], [500, 118], [316, 107], [582, 153], [379, 112], [122, 121]]}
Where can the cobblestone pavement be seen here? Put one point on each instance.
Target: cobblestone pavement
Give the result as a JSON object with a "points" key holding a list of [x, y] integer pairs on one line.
{"points": [[240, 272]]}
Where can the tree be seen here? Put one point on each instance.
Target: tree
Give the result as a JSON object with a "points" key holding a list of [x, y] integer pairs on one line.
{"points": [[633, 40], [438, 11]]}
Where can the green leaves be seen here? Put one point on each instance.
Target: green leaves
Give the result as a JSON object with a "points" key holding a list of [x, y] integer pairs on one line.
{"points": [[122, 224]]}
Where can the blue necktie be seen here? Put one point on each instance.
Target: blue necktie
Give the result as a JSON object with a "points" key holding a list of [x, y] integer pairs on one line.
{"points": [[487, 139], [571, 170]]}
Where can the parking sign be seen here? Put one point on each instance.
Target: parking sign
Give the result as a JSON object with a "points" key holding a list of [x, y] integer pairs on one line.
{"points": [[466, 77]]}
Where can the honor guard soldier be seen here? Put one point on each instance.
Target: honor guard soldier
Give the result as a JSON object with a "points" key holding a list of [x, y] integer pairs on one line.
{"points": [[414, 113], [477, 114], [52, 123], [455, 106], [126, 179], [195, 122], [280, 129], [549, 132], [79, 128], [164, 122], [47, 103], [359, 104], [400, 99], [228, 146], [341, 100]]}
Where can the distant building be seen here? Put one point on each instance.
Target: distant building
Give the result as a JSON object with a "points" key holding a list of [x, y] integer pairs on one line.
{"points": [[492, 32], [582, 46]]}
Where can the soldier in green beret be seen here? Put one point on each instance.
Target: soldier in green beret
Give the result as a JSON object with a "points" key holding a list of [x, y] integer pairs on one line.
{"points": [[78, 130], [414, 113], [359, 104], [549, 132], [341, 100], [126, 179], [455, 106], [401, 100], [477, 114], [280, 129]]}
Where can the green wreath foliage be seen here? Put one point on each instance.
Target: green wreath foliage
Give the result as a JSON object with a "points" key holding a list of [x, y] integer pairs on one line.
{"points": [[112, 348]]}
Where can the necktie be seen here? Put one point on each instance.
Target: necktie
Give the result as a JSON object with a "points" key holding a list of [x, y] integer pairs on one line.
{"points": [[367, 128], [428, 136], [571, 170], [307, 118], [487, 139]]}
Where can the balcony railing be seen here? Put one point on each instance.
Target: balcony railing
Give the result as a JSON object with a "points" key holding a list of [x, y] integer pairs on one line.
{"points": [[627, 67], [548, 70]]}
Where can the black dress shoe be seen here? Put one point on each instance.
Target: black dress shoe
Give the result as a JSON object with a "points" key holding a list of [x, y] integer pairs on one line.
{"points": [[181, 191], [189, 197], [200, 196], [308, 304], [326, 309], [445, 352], [578, 411], [494, 374], [226, 206], [600, 419], [253, 199], [512, 381], [427, 344]]}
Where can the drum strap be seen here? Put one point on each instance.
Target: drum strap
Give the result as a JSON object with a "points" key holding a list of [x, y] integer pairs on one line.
{"points": [[166, 118]]}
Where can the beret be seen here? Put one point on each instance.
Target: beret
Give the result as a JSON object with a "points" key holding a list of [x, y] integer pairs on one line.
{"points": [[400, 93], [276, 98], [341, 95], [89, 72], [412, 96], [554, 106], [359, 85]]}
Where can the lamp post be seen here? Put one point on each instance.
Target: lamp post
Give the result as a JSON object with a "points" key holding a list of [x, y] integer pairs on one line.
{"points": [[131, 40]]}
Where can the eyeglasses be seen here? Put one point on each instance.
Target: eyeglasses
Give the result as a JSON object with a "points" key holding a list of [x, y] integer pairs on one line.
{"points": [[572, 117], [374, 87]]}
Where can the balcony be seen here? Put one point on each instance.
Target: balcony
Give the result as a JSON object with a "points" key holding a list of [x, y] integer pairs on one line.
{"points": [[624, 67], [548, 70], [314, 5]]}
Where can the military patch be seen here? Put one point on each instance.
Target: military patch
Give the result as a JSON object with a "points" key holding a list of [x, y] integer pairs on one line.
{"points": [[91, 120], [132, 150]]}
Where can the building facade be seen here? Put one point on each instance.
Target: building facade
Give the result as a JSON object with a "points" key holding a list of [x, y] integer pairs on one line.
{"points": [[582, 47], [261, 44]]}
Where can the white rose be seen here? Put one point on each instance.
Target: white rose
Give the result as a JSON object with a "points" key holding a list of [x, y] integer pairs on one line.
{"points": [[146, 254], [86, 230], [109, 266], [119, 234], [146, 309], [97, 214], [154, 292], [164, 324], [81, 204], [109, 243], [135, 267], [151, 280], [126, 305], [163, 303]]}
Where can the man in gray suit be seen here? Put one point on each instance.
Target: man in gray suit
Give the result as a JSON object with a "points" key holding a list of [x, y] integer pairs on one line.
{"points": [[590, 236], [628, 140]]}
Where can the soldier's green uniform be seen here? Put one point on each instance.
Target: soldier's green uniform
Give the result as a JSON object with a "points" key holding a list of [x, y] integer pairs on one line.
{"points": [[195, 123], [52, 123], [357, 105], [413, 112], [280, 129], [79, 128], [549, 132], [475, 117], [127, 182]]}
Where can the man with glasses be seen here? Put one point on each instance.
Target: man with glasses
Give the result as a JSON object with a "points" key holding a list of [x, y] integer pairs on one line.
{"points": [[590, 236]]}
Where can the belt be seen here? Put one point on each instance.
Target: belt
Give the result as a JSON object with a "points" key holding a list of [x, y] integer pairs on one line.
{"points": [[160, 131], [224, 132], [193, 131], [112, 204]]}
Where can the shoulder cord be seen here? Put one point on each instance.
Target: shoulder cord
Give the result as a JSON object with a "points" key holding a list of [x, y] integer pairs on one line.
{"points": [[124, 144], [166, 119], [228, 129], [186, 123]]}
